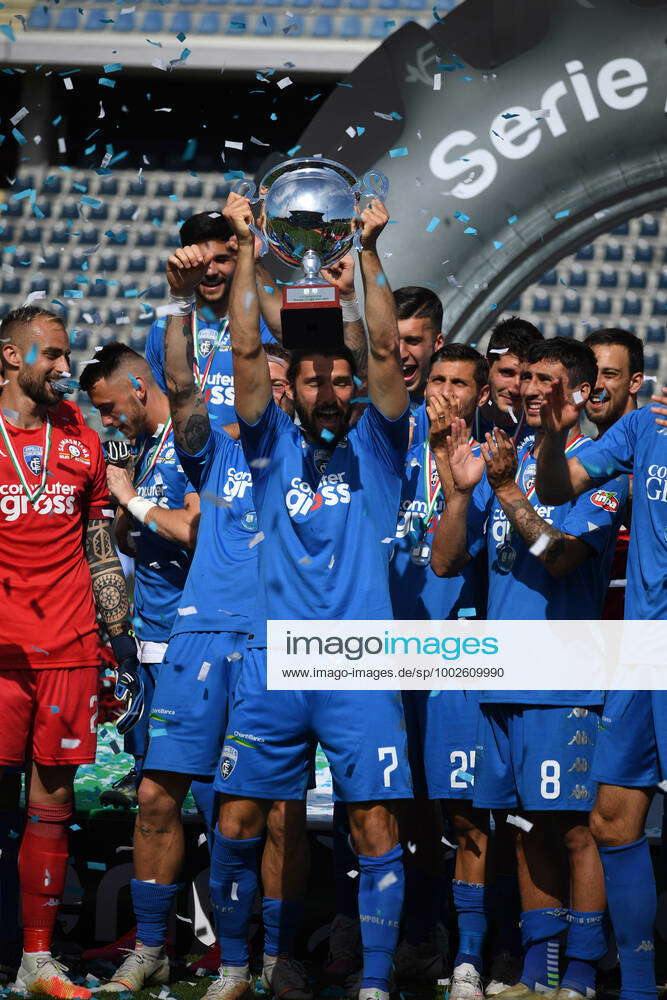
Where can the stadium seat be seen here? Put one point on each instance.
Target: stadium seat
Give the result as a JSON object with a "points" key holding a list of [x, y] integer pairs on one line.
{"points": [[236, 24], [549, 277], [69, 210], [32, 233], [350, 27], [265, 24], [209, 23], [157, 289], [602, 305], [14, 209], [163, 188], [221, 191], [322, 26], [571, 303], [108, 262], [414, 5], [79, 339], [50, 260], [304, 3], [11, 285], [659, 305], [181, 21], [222, 3], [632, 305], [45, 208], [136, 263], [52, 184], [296, 25], [651, 362], [662, 278], [379, 28], [119, 317], [644, 253], [77, 260], [195, 188], [97, 289], [4, 309], [124, 22], [637, 277], [39, 283], [153, 23], [542, 302], [622, 230], [649, 226], [22, 257], [564, 328], [146, 317], [100, 212], [646, 390], [146, 237], [613, 251], [126, 211], [68, 19], [608, 278], [586, 252], [40, 18], [60, 234], [95, 19], [90, 235], [578, 277], [331, 4], [155, 211], [108, 186], [138, 341], [656, 334]]}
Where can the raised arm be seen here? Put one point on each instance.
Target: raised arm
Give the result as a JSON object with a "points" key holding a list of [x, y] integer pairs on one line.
{"points": [[558, 478], [449, 553], [558, 552], [111, 600], [185, 269], [252, 383], [341, 275], [177, 525], [386, 385]]}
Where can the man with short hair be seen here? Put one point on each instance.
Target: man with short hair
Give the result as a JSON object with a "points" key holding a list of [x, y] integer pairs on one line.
{"points": [[506, 353], [535, 747], [631, 752], [322, 555], [58, 566], [620, 360], [419, 312], [159, 501]]}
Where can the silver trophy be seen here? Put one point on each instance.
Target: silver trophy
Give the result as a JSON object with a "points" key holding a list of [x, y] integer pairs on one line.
{"points": [[309, 220]]}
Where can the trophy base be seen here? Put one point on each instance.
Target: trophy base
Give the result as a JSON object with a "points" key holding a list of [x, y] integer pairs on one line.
{"points": [[311, 317]]}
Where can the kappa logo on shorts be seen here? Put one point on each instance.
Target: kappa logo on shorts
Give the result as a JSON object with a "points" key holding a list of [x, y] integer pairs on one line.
{"points": [[605, 499], [228, 760], [577, 713], [580, 764], [580, 739], [579, 792]]}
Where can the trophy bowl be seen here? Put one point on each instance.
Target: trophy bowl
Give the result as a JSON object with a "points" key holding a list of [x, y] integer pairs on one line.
{"points": [[309, 212]]}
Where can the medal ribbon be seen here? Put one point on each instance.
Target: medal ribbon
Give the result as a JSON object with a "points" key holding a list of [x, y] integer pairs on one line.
{"points": [[153, 455], [431, 495], [32, 495], [201, 378], [529, 454]]}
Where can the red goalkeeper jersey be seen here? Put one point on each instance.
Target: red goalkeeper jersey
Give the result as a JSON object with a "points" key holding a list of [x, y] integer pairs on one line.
{"points": [[48, 615]]}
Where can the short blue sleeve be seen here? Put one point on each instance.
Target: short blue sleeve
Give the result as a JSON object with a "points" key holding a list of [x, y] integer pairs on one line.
{"points": [[614, 452], [478, 513], [155, 352], [596, 513], [386, 439], [198, 466]]}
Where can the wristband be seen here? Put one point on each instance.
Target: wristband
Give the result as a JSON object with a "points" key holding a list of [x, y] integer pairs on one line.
{"points": [[182, 305], [350, 309], [124, 646], [138, 507]]}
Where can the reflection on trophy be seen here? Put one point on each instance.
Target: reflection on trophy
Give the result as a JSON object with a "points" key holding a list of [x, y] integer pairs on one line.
{"points": [[309, 220]]}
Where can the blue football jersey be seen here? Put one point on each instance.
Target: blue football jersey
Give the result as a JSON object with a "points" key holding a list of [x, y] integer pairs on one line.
{"points": [[416, 592], [213, 362], [636, 444], [160, 566], [419, 415], [220, 592], [328, 516]]}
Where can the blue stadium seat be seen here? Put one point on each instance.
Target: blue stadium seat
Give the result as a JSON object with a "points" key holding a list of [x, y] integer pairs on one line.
{"points": [[578, 277], [11, 285], [95, 18], [350, 27], [108, 262], [40, 19], [549, 278], [330, 4], [126, 210], [646, 390], [564, 328], [170, 238], [221, 191], [379, 28], [296, 25], [656, 334], [32, 233], [644, 253], [632, 305], [608, 278], [637, 277], [14, 209], [613, 252], [45, 208], [659, 305], [105, 337], [108, 186], [38, 283], [649, 226], [69, 210], [222, 3], [195, 188], [52, 184], [651, 362], [78, 339], [154, 211], [68, 19], [322, 26], [662, 279], [571, 303], [59, 234], [100, 212], [146, 237], [77, 260], [209, 23], [146, 317], [302, 3], [542, 302], [586, 252], [50, 260], [236, 24], [25, 181], [265, 24], [621, 230], [124, 22], [164, 187], [153, 23], [4, 309], [602, 305], [157, 289], [414, 5], [136, 263], [90, 235], [181, 21], [97, 289], [138, 341], [22, 257]]}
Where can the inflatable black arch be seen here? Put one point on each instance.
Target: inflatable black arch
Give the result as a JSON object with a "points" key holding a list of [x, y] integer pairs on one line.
{"points": [[512, 132]]}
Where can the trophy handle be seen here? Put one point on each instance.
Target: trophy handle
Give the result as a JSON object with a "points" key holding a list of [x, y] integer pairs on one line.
{"points": [[376, 184], [248, 189]]}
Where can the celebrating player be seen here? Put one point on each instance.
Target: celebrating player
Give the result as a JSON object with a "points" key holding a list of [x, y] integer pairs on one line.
{"points": [[419, 312], [506, 353], [58, 565]]}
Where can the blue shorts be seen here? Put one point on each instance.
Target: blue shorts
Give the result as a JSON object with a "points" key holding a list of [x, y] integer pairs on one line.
{"points": [[189, 716], [136, 741], [537, 758], [631, 748], [271, 737], [450, 739]]}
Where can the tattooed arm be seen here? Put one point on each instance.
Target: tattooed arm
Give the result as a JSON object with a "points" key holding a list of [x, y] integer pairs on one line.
{"points": [[185, 269], [109, 588]]}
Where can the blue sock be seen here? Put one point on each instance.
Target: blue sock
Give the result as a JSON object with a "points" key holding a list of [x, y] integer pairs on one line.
{"points": [[539, 933], [631, 898], [422, 904], [11, 827], [346, 889], [381, 888], [503, 913], [152, 904], [281, 922], [586, 944], [232, 887], [471, 918]]}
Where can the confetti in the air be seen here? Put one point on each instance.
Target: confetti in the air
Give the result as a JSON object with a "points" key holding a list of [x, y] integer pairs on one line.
{"points": [[540, 545]]}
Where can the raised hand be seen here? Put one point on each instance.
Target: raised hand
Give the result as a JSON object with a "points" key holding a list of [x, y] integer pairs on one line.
{"points": [[559, 412], [120, 485], [372, 221], [186, 268], [500, 457], [441, 412], [341, 275], [466, 469], [238, 213]]}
